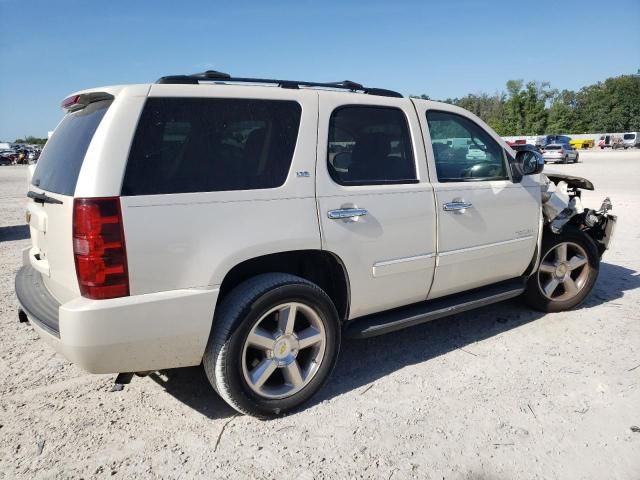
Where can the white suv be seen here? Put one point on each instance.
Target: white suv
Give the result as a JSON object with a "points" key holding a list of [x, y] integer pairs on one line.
{"points": [[247, 224]]}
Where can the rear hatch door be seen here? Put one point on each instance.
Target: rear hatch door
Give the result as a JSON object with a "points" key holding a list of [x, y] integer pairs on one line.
{"points": [[51, 193]]}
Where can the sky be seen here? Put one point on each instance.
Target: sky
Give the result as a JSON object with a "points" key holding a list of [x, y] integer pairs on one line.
{"points": [[49, 49]]}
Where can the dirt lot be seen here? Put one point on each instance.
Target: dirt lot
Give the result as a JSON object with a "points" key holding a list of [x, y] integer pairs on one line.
{"points": [[502, 392]]}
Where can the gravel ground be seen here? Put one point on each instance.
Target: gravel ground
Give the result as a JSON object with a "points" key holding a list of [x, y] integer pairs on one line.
{"points": [[501, 392]]}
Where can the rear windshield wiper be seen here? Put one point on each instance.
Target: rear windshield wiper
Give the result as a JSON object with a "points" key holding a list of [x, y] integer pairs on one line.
{"points": [[42, 198]]}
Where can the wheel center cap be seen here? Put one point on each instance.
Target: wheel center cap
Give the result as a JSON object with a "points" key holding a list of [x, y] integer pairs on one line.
{"points": [[281, 348], [285, 349], [561, 270]]}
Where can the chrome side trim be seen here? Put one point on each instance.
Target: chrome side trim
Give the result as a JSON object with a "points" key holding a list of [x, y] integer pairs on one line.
{"points": [[405, 259], [402, 265], [488, 245]]}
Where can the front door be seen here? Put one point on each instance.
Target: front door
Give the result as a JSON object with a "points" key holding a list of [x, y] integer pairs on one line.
{"points": [[375, 203], [487, 224]]}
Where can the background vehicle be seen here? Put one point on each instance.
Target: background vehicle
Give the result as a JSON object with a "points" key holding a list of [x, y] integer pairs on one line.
{"points": [[611, 141], [631, 139], [8, 157], [210, 219], [582, 144], [475, 152], [522, 147], [563, 153], [555, 140]]}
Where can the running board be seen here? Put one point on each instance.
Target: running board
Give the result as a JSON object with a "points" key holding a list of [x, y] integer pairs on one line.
{"points": [[417, 313]]}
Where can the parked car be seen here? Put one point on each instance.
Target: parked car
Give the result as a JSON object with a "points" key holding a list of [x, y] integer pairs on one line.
{"points": [[524, 147], [475, 152], [9, 157], [163, 238], [563, 153]]}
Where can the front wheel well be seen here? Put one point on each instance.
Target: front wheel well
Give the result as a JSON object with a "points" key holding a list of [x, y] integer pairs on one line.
{"points": [[320, 267]]}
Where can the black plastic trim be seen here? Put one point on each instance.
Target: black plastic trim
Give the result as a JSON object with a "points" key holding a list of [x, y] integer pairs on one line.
{"points": [[215, 76], [417, 313], [42, 198], [36, 301]]}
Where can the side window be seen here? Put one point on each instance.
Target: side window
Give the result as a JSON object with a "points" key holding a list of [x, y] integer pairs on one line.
{"points": [[370, 146], [464, 151], [187, 145]]}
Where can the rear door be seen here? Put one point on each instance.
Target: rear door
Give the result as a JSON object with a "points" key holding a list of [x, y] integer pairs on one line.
{"points": [[487, 224], [374, 200]]}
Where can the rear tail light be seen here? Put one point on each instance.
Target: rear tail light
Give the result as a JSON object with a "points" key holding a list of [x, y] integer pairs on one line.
{"points": [[99, 248]]}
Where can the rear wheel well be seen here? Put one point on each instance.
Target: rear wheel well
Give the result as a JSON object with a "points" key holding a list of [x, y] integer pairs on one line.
{"points": [[320, 267]]}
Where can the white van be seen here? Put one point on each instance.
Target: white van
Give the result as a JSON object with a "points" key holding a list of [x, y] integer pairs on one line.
{"points": [[631, 139]]}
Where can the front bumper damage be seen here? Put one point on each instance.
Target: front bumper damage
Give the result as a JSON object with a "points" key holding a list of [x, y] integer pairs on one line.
{"points": [[562, 205]]}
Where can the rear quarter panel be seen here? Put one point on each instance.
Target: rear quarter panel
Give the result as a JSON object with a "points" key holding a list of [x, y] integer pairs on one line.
{"points": [[193, 239]]}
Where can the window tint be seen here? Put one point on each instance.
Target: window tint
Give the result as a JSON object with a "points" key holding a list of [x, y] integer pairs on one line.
{"points": [[464, 151], [370, 146], [59, 164], [211, 144]]}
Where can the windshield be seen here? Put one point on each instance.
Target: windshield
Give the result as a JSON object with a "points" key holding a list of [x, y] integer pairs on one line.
{"points": [[59, 164]]}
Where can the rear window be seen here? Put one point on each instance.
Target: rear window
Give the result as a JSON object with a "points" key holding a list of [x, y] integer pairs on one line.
{"points": [[553, 147], [60, 161], [629, 136], [187, 145]]}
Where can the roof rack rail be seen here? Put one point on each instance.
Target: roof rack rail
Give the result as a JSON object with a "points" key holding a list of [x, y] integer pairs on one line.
{"points": [[215, 76]]}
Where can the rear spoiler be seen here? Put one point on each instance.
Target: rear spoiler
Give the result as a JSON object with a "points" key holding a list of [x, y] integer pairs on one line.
{"points": [[78, 102]]}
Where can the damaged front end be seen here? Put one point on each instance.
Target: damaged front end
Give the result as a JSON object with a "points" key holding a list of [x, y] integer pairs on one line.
{"points": [[561, 205]]}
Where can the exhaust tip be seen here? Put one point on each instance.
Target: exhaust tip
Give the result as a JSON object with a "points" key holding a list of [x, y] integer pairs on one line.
{"points": [[22, 317]]}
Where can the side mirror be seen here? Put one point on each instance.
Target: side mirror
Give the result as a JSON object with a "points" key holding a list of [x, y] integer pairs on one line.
{"points": [[529, 162]]}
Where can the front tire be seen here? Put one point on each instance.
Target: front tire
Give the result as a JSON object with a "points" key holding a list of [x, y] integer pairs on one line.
{"points": [[274, 343], [567, 272]]}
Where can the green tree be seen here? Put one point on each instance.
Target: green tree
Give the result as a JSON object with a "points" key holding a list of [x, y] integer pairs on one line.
{"points": [[610, 106], [535, 108], [31, 140], [563, 117]]}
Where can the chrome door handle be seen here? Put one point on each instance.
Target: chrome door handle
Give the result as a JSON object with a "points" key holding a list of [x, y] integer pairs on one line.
{"points": [[347, 213], [458, 206]]}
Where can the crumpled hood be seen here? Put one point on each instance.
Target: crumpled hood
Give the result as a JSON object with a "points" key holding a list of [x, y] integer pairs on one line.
{"points": [[572, 181]]}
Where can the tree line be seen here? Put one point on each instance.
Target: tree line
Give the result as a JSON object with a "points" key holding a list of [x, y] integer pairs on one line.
{"points": [[31, 140], [534, 108]]}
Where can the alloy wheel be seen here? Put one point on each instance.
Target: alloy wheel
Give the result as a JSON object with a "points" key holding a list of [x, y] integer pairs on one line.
{"points": [[283, 350], [563, 272]]}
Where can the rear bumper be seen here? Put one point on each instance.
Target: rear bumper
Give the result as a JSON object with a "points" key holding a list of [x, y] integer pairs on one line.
{"points": [[129, 334]]}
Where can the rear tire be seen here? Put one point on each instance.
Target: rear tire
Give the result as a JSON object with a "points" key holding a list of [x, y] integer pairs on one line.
{"points": [[567, 272], [577, 159], [565, 159], [274, 343]]}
